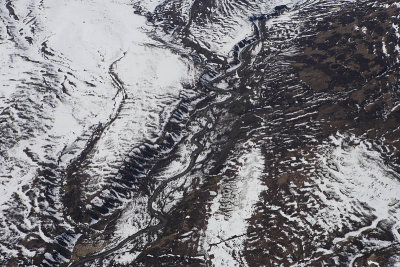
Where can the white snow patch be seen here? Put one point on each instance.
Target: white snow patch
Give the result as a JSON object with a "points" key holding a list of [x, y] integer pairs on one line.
{"points": [[225, 234], [134, 218], [364, 29], [126, 257], [396, 29], [384, 49]]}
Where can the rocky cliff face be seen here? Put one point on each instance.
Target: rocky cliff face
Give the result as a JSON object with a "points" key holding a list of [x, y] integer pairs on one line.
{"points": [[200, 133]]}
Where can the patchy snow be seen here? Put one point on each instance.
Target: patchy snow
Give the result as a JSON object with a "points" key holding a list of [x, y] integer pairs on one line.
{"points": [[126, 257], [134, 218], [149, 5], [225, 233], [233, 23], [358, 181], [396, 29], [364, 29]]}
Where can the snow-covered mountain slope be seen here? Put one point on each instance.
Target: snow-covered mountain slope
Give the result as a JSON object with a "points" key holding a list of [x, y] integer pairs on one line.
{"points": [[199, 133], [81, 82]]}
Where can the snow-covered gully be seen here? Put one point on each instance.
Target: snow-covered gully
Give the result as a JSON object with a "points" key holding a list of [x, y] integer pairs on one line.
{"points": [[119, 100]]}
